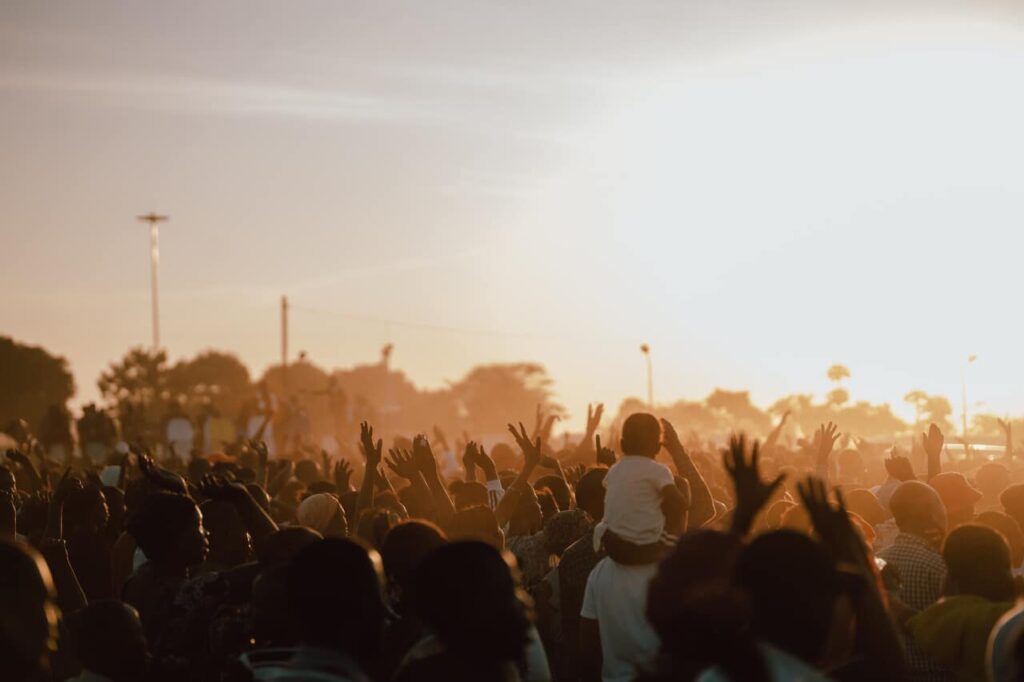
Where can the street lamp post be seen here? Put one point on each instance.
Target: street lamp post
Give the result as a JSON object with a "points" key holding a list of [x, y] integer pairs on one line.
{"points": [[963, 389], [646, 350], [154, 263]]}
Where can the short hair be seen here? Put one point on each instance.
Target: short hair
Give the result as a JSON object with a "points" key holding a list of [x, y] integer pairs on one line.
{"points": [[159, 522], [641, 434], [110, 640], [405, 547], [978, 559], [559, 490], [590, 492], [477, 523], [334, 594]]}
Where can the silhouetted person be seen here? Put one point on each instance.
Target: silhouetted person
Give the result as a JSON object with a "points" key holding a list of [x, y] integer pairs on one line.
{"points": [[28, 614], [110, 644], [466, 594]]}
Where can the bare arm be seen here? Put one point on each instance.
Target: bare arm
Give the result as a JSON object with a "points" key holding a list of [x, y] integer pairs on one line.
{"points": [[701, 503], [531, 457]]}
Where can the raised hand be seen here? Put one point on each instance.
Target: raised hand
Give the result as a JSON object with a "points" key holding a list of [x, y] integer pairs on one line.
{"points": [[751, 492], [933, 441], [531, 450], [670, 439], [594, 415], [484, 461], [216, 487], [605, 456], [342, 476], [832, 524], [824, 441], [900, 468], [402, 464], [423, 456], [373, 452], [162, 478], [468, 460]]}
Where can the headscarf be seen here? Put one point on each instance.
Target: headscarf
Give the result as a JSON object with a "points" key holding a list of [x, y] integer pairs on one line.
{"points": [[317, 511]]}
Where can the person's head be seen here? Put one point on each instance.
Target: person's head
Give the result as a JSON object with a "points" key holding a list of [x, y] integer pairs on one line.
{"points": [[793, 588], [992, 478], [168, 528], [528, 516], [978, 560], [417, 501], [467, 593], [374, 524], [279, 547], [323, 513], [558, 488], [958, 496], [110, 641], [29, 615], [563, 529], [403, 550], [1005, 525], [230, 544], [466, 494], [307, 471], [8, 481], [641, 435], [334, 594], [548, 506], [476, 523], [692, 605], [850, 466], [1012, 499], [590, 493], [918, 510], [863, 502]]}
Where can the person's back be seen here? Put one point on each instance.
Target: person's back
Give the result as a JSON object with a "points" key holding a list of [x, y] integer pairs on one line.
{"points": [[638, 489], [979, 590], [615, 602], [919, 514]]}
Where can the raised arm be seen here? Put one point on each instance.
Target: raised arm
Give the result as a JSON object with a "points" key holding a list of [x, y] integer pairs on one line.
{"points": [[933, 442], [824, 442], [373, 453], [401, 463], [877, 643], [751, 492], [257, 521], [531, 458], [425, 461], [701, 504]]}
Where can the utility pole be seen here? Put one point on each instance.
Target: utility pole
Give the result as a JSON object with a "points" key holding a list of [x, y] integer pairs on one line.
{"points": [[646, 350], [154, 263], [284, 343]]}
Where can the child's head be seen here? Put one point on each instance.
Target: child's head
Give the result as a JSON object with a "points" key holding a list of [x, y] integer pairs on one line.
{"points": [[641, 435]]}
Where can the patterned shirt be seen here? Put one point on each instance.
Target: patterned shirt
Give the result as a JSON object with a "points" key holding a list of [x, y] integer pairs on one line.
{"points": [[922, 574]]}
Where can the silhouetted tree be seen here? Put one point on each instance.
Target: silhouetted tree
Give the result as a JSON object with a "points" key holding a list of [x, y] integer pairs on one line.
{"points": [[136, 387], [31, 381], [211, 377], [492, 395]]}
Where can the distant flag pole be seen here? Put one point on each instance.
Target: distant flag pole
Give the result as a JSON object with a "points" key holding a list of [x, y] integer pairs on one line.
{"points": [[154, 221]]}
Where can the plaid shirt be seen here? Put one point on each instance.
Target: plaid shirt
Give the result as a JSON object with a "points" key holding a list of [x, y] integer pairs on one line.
{"points": [[922, 570], [922, 574]]}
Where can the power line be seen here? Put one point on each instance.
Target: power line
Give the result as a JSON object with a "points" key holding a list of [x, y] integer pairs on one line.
{"points": [[466, 331]]}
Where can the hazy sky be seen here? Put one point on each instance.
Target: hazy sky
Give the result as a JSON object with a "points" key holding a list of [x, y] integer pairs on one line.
{"points": [[757, 189]]}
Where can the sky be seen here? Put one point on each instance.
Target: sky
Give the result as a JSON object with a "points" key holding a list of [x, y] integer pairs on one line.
{"points": [[756, 189]]}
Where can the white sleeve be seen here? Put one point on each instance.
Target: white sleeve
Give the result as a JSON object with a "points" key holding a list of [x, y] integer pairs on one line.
{"points": [[494, 493]]}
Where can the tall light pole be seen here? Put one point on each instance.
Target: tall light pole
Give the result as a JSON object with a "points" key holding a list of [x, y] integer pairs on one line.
{"points": [[646, 350], [154, 263], [963, 389]]}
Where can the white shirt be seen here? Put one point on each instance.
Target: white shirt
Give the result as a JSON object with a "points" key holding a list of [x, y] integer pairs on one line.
{"points": [[616, 597], [632, 501]]}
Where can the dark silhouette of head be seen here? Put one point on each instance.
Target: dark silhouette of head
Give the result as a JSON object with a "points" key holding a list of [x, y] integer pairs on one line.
{"points": [[918, 509], [792, 584], [168, 528], [271, 623], [1005, 525], [1012, 499], [528, 515], [404, 548], [230, 544], [590, 492], [558, 488], [466, 494], [697, 613], [467, 593], [110, 641], [279, 547], [28, 616], [476, 523], [641, 435], [978, 560], [334, 593]]}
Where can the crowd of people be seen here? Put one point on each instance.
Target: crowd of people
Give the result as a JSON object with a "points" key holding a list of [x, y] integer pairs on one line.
{"points": [[640, 557]]}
